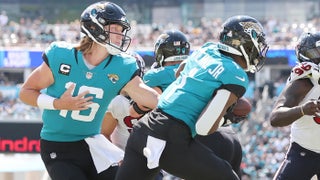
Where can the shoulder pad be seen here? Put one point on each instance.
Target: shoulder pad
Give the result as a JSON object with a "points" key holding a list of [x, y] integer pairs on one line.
{"points": [[304, 70], [62, 44]]}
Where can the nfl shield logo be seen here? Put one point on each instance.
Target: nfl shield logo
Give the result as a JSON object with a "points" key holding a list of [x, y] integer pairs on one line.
{"points": [[89, 75]]}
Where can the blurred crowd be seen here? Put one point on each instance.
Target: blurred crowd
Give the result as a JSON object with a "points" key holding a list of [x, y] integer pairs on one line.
{"points": [[38, 32], [11, 108], [264, 147]]}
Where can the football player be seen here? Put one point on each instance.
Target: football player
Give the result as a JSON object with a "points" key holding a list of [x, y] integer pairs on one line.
{"points": [[213, 78], [171, 52], [80, 81], [298, 106], [171, 48]]}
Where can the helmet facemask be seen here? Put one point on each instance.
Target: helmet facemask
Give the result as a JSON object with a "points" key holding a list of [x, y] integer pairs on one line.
{"points": [[257, 48], [313, 54], [112, 47]]}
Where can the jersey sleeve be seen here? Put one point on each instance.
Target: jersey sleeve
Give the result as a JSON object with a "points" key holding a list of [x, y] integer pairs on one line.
{"points": [[55, 51], [235, 79], [151, 78], [49, 53], [131, 66]]}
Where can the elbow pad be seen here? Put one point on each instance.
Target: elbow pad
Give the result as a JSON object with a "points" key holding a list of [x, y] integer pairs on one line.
{"points": [[212, 112]]}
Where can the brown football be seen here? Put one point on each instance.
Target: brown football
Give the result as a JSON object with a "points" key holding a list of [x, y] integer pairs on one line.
{"points": [[242, 107]]}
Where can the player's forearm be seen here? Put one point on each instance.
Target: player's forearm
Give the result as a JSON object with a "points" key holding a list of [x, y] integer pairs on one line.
{"points": [[285, 116], [148, 99], [29, 96]]}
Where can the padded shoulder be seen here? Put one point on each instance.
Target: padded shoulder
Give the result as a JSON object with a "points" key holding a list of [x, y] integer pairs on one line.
{"points": [[305, 70]]}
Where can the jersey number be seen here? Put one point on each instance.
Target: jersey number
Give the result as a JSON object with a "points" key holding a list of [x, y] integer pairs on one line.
{"points": [[98, 92], [301, 69]]}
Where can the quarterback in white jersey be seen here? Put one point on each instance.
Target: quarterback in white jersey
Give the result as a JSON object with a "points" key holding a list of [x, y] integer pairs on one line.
{"points": [[298, 105]]}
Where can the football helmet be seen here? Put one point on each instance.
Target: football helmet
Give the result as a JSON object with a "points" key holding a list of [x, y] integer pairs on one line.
{"points": [[94, 19], [171, 46], [244, 36], [308, 48]]}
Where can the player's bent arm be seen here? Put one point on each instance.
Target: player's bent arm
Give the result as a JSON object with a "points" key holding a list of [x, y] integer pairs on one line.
{"points": [[39, 79], [209, 120], [109, 123], [287, 108], [141, 94], [42, 78]]}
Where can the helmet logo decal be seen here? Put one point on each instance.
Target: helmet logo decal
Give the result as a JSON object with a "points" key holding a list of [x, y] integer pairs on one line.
{"points": [[93, 12], [100, 6], [162, 38], [113, 78], [124, 19], [249, 26], [176, 43], [229, 34], [236, 42]]}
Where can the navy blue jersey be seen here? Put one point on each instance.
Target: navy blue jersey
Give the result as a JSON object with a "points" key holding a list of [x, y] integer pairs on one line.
{"points": [[205, 72], [104, 82]]}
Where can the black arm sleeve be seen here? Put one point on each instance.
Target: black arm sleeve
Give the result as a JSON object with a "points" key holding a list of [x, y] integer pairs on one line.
{"points": [[45, 59], [137, 73], [235, 89]]}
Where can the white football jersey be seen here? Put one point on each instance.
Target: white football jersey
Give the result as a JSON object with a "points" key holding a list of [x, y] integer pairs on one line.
{"points": [[119, 108], [306, 130]]}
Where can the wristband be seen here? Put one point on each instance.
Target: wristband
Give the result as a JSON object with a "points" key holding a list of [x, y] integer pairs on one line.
{"points": [[45, 102], [137, 109], [301, 110]]}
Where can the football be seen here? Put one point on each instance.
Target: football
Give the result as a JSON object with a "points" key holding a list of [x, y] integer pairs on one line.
{"points": [[242, 107]]}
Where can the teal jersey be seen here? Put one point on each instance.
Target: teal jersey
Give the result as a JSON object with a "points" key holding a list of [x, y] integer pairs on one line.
{"points": [[104, 82], [160, 77], [206, 71]]}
